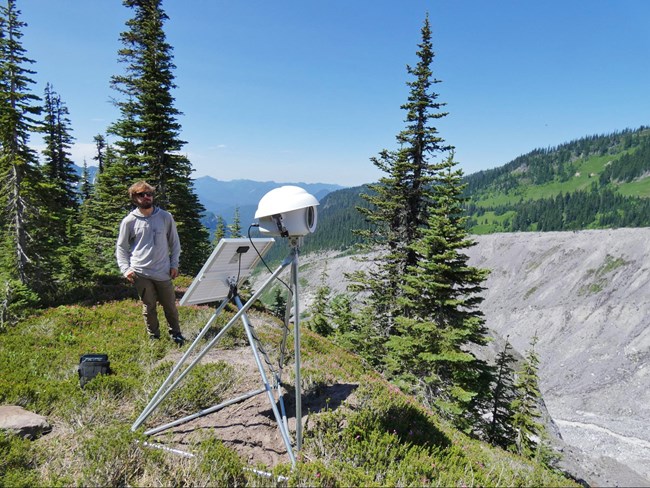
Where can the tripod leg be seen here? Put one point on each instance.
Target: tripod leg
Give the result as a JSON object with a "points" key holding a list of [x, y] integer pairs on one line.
{"points": [[283, 432], [154, 402]]}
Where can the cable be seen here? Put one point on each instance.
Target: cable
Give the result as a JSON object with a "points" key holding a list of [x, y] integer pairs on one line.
{"points": [[260, 256], [238, 269]]}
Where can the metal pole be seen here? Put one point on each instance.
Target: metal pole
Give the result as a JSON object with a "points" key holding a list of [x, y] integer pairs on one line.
{"points": [[260, 367], [207, 411], [296, 346]]}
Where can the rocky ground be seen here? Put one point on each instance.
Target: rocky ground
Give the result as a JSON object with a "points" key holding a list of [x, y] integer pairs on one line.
{"points": [[250, 426], [586, 295]]}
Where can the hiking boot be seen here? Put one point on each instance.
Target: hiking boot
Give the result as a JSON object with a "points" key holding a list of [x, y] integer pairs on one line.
{"points": [[178, 339]]}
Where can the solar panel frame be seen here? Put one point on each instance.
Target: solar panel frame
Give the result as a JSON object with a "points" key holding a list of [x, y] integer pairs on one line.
{"points": [[212, 283]]}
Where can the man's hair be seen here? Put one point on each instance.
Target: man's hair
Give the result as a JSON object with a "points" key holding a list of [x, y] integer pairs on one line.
{"points": [[138, 187]]}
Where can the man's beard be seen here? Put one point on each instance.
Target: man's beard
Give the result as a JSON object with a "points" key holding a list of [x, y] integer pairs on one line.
{"points": [[146, 205]]}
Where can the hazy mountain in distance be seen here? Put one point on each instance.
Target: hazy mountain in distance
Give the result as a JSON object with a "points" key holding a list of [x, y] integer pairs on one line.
{"points": [[223, 197], [217, 196]]}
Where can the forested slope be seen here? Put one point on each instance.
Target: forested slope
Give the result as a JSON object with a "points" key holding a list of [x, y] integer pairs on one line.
{"points": [[595, 182]]}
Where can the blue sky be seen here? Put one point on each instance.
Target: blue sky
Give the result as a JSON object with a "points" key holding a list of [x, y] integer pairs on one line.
{"points": [[311, 90]]}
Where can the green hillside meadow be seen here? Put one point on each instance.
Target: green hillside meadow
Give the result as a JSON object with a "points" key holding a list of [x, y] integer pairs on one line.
{"points": [[590, 183], [377, 437]]}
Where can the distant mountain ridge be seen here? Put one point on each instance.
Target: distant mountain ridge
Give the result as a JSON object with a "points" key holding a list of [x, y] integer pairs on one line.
{"points": [[224, 197], [600, 181]]}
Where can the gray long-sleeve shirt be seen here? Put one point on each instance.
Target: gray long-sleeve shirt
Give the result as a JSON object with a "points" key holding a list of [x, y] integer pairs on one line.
{"points": [[148, 245]]}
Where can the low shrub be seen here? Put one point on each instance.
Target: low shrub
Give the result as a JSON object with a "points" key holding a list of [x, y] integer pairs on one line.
{"points": [[17, 462], [111, 456], [219, 466], [201, 388]]}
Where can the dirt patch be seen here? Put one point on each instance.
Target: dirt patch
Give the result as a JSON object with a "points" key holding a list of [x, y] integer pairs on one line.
{"points": [[249, 426]]}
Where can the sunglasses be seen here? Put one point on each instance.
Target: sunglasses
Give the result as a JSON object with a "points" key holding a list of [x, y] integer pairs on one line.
{"points": [[144, 194]]}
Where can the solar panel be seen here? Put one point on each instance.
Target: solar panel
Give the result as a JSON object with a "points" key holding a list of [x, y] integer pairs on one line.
{"points": [[232, 260]]}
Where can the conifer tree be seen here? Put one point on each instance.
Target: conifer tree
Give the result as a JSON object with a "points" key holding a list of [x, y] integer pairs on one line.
{"points": [[58, 166], [61, 181], [341, 313], [442, 292], [319, 320], [500, 431], [219, 231], [399, 203], [356, 330], [100, 145], [148, 131], [102, 213], [526, 405], [279, 305], [85, 186], [235, 227], [24, 244]]}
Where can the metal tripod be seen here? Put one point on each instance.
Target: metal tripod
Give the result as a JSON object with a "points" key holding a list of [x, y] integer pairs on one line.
{"points": [[176, 375]]}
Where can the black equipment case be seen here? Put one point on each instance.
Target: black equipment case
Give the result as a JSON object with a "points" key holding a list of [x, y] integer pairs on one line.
{"points": [[90, 365]]}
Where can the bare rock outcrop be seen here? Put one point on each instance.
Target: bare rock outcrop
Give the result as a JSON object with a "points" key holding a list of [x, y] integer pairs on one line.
{"points": [[586, 295], [22, 422]]}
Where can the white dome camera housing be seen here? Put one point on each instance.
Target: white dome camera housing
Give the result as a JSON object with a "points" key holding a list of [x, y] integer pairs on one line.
{"points": [[288, 211]]}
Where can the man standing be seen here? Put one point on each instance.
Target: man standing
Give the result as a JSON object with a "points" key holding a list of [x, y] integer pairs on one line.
{"points": [[147, 253]]}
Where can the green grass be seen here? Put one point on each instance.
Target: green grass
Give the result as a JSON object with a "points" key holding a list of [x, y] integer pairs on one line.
{"points": [[490, 222], [640, 188], [381, 438], [587, 172]]}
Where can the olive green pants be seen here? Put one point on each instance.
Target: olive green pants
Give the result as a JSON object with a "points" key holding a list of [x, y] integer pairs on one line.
{"points": [[152, 292]]}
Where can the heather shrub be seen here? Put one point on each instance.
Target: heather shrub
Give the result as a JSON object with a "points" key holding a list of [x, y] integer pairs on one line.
{"points": [[17, 462]]}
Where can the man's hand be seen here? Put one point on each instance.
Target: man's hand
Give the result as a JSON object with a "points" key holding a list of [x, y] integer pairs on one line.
{"points": [[130, 275], [173, 272]]}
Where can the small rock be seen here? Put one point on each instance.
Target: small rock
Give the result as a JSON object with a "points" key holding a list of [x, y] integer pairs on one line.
{"points": [[22, 422]]}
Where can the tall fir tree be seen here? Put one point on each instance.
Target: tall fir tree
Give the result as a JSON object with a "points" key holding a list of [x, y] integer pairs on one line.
{"points": [[58, 166], [24, 251], [148, 131], [398, 205], [525, 421], [441, 293], [500, 431], [62, 181]]}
